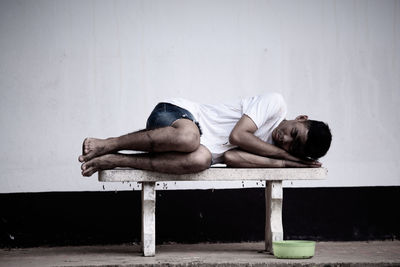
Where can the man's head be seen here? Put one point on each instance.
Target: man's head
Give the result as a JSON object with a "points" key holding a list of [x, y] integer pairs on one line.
{"points": [[302, 137]]}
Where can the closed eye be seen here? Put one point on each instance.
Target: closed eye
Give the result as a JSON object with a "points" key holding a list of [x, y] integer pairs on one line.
{"points": [[294, 133]]}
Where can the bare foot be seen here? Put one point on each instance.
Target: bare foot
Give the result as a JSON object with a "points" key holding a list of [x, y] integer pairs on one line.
{"points": [[105, 162], [94, 147]]}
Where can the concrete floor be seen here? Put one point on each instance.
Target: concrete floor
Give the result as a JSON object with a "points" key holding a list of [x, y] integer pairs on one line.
{"points": [[377, 253]]}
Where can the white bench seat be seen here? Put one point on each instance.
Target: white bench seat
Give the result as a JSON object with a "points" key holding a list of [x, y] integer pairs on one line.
{"points": [[273, 193]]}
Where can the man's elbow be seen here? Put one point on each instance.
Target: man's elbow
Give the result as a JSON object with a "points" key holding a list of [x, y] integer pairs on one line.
{"points": [[234, 138]]}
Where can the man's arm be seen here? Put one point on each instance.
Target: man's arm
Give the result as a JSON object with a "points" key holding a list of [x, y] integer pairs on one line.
{"points": [[242, 159], [243, 136]]}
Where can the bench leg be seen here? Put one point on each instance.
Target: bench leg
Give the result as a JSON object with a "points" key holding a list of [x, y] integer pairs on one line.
{"points": [[273, 220], [148, 219]]}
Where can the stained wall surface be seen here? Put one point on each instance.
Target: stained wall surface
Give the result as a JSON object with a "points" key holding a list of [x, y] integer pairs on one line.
{"points": [[71, 69]]}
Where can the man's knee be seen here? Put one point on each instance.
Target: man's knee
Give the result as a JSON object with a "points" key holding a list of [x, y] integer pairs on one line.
{"points": [[188, 140], [200, 159]]}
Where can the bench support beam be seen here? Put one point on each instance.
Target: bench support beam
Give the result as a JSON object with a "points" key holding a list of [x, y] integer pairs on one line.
{"points": [[273, 220], [148, 219]]}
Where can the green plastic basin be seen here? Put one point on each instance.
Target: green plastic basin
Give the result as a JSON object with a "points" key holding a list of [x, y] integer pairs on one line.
{"points": [[293, 249]]}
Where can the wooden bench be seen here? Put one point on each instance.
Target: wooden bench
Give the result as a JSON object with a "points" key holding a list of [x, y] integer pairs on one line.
{"points": [[273, 193]]}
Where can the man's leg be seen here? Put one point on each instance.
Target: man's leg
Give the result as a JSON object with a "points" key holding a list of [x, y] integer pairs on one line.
{"points": [[182, 136], [167, 162]]}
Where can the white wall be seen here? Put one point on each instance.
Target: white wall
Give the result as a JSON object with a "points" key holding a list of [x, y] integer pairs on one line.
{"points": [[71, 69]]}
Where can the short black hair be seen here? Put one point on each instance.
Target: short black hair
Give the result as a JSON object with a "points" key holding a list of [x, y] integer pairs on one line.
{"points": [[319, 139]]}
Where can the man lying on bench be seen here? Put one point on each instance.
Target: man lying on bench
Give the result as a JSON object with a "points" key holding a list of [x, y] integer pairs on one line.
{"points": [[182, 136]]}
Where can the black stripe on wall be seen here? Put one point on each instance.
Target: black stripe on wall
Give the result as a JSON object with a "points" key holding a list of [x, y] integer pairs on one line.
{"points": [[190, 216]]}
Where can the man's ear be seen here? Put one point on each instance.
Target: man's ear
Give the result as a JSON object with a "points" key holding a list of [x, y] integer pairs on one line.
{"points": [[302, 118]]}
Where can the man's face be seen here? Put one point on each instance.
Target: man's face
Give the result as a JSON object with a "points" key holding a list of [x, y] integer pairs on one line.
{"points": [[291, 135]]}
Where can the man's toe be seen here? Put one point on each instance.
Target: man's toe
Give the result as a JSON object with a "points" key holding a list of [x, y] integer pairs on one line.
{"points": [[86, 165], [89, 171]]}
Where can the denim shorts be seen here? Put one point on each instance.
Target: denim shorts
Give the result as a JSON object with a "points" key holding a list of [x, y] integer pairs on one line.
{"points": [[165, 114]]}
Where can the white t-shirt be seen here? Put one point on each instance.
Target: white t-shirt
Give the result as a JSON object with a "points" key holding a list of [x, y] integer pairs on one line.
{"points": [[217, 121]]}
